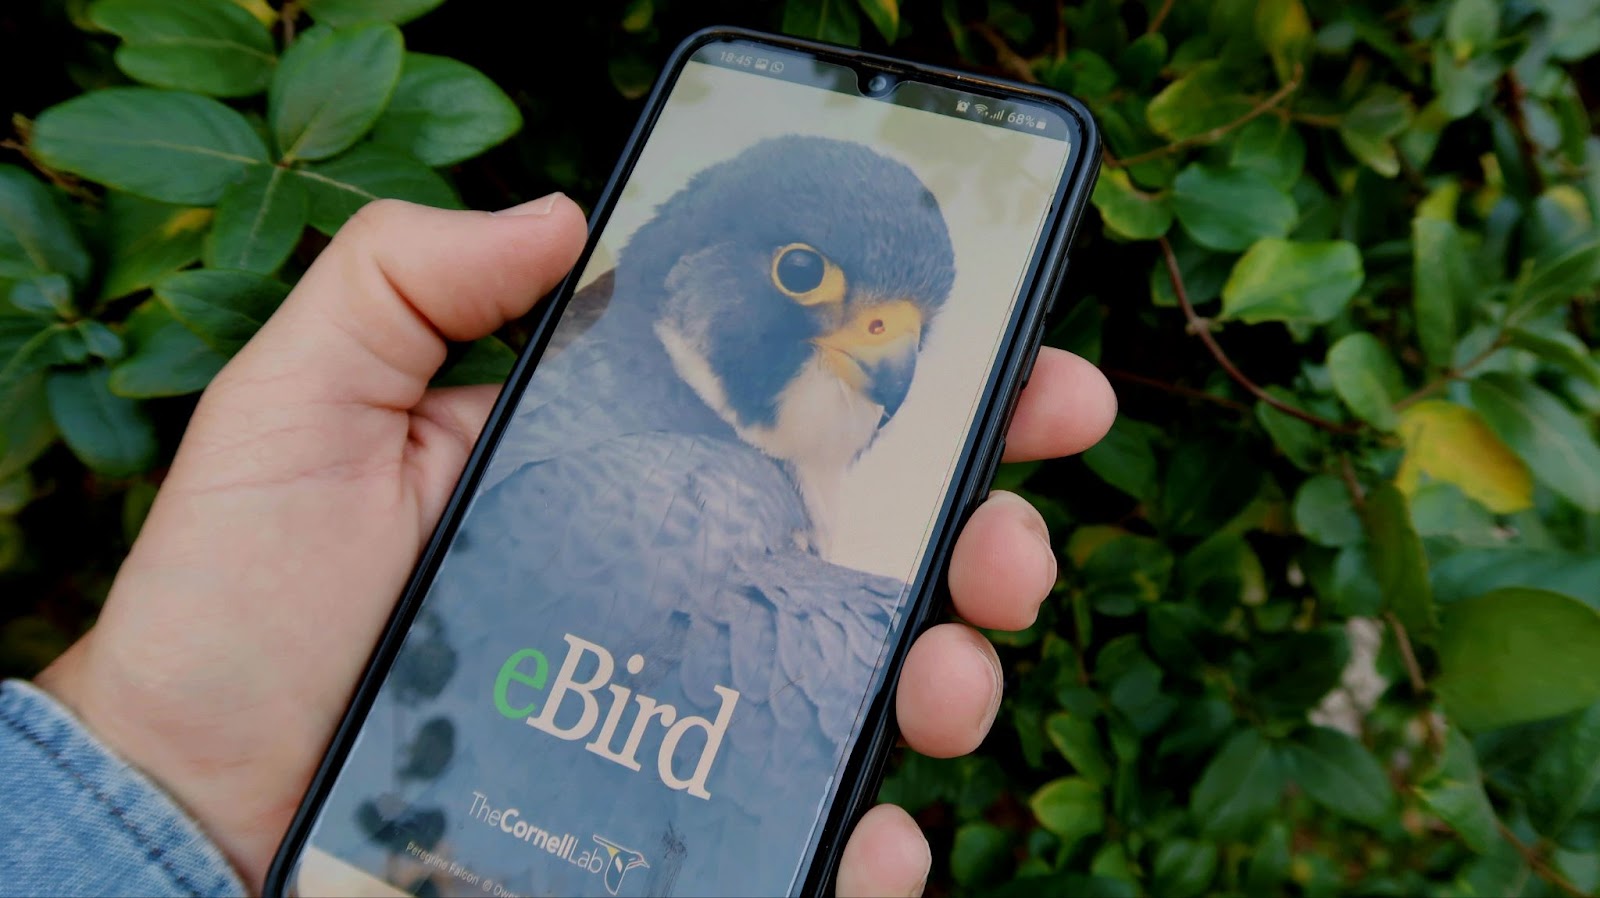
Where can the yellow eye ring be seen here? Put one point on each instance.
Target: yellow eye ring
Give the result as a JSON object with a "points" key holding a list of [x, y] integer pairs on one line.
{"points": [[806, 276]]}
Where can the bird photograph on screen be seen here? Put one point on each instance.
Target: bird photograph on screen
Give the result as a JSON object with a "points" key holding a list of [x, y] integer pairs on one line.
{"points": [[659, 531]]}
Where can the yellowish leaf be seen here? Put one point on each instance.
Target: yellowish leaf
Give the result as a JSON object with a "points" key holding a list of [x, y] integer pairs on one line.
{"points": [[1085, 540], [186, 220], [264, 14], [1450, 443]]}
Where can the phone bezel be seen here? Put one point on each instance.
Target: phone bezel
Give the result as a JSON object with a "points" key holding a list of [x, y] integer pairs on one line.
{"points": [[863, 770]]}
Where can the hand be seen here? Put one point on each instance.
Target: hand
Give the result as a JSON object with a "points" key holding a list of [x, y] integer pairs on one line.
{"points": [[316, 466]]}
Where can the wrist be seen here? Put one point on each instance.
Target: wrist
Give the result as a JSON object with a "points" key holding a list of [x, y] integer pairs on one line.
{"points": [[132, 719]]}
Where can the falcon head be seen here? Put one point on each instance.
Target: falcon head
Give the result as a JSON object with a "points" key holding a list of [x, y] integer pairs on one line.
{"points": [[796, 283]]}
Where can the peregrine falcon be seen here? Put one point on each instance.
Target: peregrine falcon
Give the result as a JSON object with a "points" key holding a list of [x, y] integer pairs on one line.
{"points": [[665, 489]]}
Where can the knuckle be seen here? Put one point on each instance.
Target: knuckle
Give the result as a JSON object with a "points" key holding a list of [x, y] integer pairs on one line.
{"points": [[373, 219]]}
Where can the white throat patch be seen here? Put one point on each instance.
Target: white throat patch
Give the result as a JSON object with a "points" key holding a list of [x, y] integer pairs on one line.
{"points": [[821, 427]]}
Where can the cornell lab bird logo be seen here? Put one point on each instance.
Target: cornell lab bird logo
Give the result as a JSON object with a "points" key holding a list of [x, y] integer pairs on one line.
{"points": [[668, 487], [621, 861]]}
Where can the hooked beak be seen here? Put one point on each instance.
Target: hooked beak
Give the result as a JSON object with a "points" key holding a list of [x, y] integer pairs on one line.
{"points": [[875, 352]]}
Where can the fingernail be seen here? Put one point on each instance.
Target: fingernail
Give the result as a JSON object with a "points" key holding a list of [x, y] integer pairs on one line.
{"points": [[991, 661], [540, 206]]}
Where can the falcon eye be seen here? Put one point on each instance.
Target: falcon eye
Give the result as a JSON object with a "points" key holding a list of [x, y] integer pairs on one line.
{"points": [[799, 270], [875, 327], [807, 276]]}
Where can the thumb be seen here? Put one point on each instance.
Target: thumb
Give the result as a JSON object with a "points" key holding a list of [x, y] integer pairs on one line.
{"points": [[367, 324]]}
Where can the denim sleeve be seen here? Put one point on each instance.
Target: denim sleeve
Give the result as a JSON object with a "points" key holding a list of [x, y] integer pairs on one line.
{"points": [[77, 820]]}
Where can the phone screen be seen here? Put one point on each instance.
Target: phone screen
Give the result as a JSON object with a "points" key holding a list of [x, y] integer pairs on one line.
{"points": [[649, 647]]}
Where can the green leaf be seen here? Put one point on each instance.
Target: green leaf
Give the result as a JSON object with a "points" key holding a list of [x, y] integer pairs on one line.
{"points": [[1126, 457], [110, 434], [834, 21], [341, 186], [101, 342], [1454, 791], [1564, 778], [1444, 286], [1398, 562], [1368, 128], [1472, 26], [259, 221], [27, 345], [1467, 574], [1071, 807], [1183, 868], [15, 494], [1269, 863], [164, 145], [206, 46], [1557, 445], [444, 111], [167, 358], [485, 361], [1302, 443], [1289, 675], [1366, 378], [636, 17], [1229, 209], [1078, 741], [1205, 98], [47, 296], [331, 86], [26, 430], [1325, 513], [147, 240], [1285, 30], [1239, 789], [1206, 485], [1555, 281], [223, 308], [1272, 148], [885, 16], [1342, 776], [981, 853], [1121, 573], [35, 235], [632, 74], [1463, 85], [1559, 348], [1283, 280], [1128, 211], [351, 12], [1517, 655]]}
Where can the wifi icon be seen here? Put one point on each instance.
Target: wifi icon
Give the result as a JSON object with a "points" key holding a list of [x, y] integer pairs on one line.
{"points": [[979, 108]]}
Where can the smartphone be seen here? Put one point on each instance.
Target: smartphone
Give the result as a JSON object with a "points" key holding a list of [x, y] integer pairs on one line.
{"points": [[653, 645]]}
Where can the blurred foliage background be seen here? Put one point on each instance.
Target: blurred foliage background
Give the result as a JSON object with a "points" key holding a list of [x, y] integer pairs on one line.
{"points": [[1328, 619]]}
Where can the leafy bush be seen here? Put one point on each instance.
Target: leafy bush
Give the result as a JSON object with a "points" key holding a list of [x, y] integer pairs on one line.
{"points": [[1329, 613]]}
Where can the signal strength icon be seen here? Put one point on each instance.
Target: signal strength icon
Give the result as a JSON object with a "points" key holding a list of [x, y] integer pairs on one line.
{"points": [[979, 108]]}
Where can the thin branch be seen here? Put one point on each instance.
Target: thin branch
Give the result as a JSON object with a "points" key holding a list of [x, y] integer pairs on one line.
{"points": [[1453, 374], [1009, 59], [1199, 328], [1160, 17], [1176, 389], [1347, 473], [1419, 685], [1515, 95], [1540, 866], [1217, 133]]}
